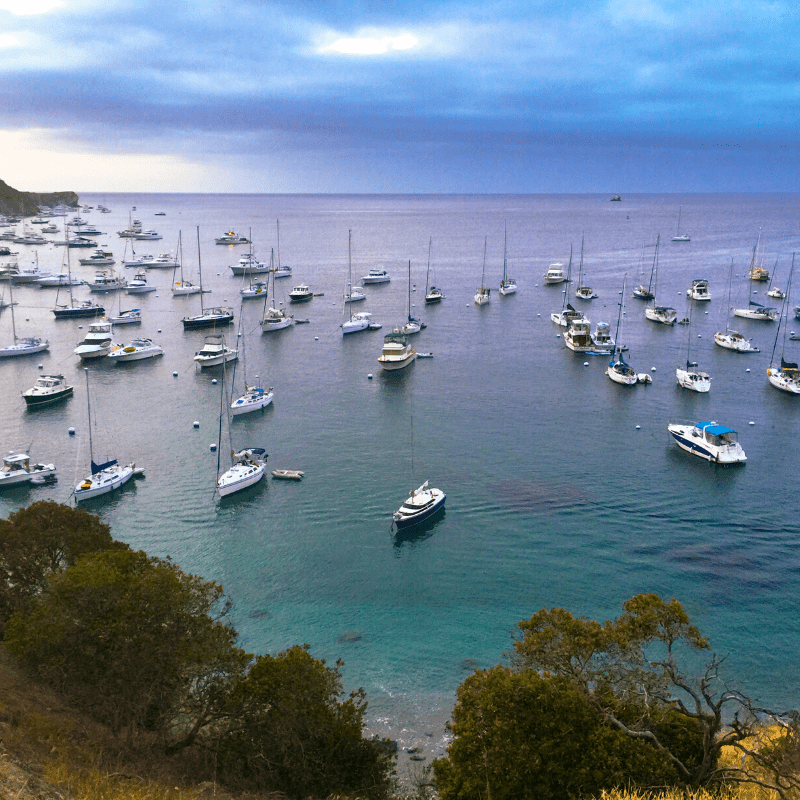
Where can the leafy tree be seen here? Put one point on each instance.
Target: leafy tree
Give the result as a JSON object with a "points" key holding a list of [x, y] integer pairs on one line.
{"points": [[296, 736], [131, 639], [634, 670], [42, 540], [521, 735]]}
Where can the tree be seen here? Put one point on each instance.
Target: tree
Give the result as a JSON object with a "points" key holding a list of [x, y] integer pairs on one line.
{"points": [[296, 736], [43, 540], [633, 671], [131, 639]]}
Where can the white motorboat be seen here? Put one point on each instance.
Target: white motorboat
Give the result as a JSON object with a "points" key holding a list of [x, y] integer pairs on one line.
{"points": [[507, 285], [421, 505], [99, 259], [97, 342], [58, 279], [567, 316], [483, 294], [22, 345], [708, 440], [397, 352], [602, 338], [698, 290], [354, 295], [139, 284], [147, 235], [17, 468], [255, 289], [300, 294], [247, 469], [376, 276], [554, 274], [50, 228], [137, 350], [47, 389], [776, 293], [105, 281], [578, 336], [103, 478], [249, 265], [131, 316], [357, 322], [161, 261], [254, 397], [757, 311], [30, 275], [215, 352], [231, 237]]}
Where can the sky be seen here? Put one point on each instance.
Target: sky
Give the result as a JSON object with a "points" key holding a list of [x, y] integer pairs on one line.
{"points": [[399, 96]]}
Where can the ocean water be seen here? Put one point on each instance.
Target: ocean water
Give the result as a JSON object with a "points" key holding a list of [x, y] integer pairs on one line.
{"points": [[564, 488]]}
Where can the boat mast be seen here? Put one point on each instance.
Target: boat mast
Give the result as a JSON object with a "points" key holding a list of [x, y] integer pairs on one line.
{"points": [[654, 272], [483, 271], [11, 295], [783, 308], [428, 273], [200, 272], [619, 319], [580, 265], [505, 241], [69, 268], [678, 232], [409, 291], [278, 226], [569, 273], [89, 414], [730, 285], [349, 300]]}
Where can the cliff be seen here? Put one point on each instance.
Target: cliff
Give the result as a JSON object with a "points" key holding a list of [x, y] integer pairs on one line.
{"points": [[27, 203]]}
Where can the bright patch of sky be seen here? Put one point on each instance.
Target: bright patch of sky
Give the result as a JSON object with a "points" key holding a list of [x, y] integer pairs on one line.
{"points": [[29, 7]]}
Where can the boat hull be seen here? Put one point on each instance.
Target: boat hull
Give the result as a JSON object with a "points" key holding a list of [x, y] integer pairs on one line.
{"points": [[35, 400], [238, 478], [412, 521], [695, 445], [246, 404], [77, 313], [206, 321], [783, 382], [103, 482]]}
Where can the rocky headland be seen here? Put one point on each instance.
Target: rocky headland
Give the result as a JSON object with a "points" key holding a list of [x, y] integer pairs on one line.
{"points": [[27, 204]]}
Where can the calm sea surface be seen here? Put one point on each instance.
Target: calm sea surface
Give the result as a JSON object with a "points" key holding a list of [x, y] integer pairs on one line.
{"points": [[563, 487]]}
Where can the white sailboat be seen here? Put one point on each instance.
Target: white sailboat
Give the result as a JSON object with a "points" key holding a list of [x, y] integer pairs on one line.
{"points": [[680, 237], [568, 314], [664, 315], [274, 318], [691, 378], [730, 339], [25, 345], [413, 325], [786, 376], [254, 396], [583, 292], [507, 285], [356, 322], [618, 369], [483, 294], [433, 294], [182, 287], [105, 477]]}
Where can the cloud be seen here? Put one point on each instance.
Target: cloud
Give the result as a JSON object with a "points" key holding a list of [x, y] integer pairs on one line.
{"points": [[29, 7], [365, 45]]}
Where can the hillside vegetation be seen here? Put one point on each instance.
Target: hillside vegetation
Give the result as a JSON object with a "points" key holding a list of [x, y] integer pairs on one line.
{"points": [[26, 204]]}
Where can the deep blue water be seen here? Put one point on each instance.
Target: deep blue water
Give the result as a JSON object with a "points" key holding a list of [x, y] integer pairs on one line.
{"points": [[563, 488]]}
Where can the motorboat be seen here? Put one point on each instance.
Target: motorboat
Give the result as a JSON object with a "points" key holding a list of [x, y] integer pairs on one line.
{"points": [[47, 389], [422, 504], [661, 314], [555, 274], [209, 318], [215, 352], [50, 228], [776, 293], [139, 284], [97, 342], [31, 238], [105, 281], [708, 440], [300, 294], [231, 237], [85, 309], [357, 322], [602, 338], [567, 316], [249, 265], [354, 295], [150, 236], [376, 276], [578, 336], [131, 316], [58, 279], [30, 275], [397, 353], [136, 350], [434, 295], [80, 241], [642, 292], [615, 198], [691, 378], [99, 259], [161, 261], [254, 397], [248, 468], [131, 231], [698, 290], [757, 311], [17, 468], [255, 289], [91, 231]]}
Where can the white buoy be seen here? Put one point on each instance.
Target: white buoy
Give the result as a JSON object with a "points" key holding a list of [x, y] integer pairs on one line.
{"points": [[71, 431], [369, 376], [159, 330], [748, 369], [196, 424], [80, 327], [212, 447], [638, 427], [214, 382], [538, 315], [585, 363], [699, 335], [652, 369], [174, 374], [316, 338], [751, 422], [41, 366]]}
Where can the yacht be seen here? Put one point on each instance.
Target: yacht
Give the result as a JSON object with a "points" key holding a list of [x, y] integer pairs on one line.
{"points": [[48, 389], [17, 468], [50, 228], [24, 346], [620, 371], [232, 238], [147, 236], [282, 271], [358, 322], [300, 294], [131, 316], [567, 316], [376, 276], [248, 468], [602, 338], [355, 295], [85, 309], [698, 290], [137, 350], [253, 398], [255, 289], [209, 318], [97, 342], [555, 274], [691, 378], [161, 261], [99, 259], [105, 281], [131, 231], [104, 478], [139, 284], [397, 352], [421, 505], [733, 340], [757, 311], [578, 336], [215, 352], [708, 440], [786, 377], [661, 314], [249, 265]]}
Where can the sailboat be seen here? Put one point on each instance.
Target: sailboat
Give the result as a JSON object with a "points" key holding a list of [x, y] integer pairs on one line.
{"points": [[183, 287], [691, 378], [583, 292], [208, 317], [618, 369], [255, 396], [730, 339], [433, 294], [568, 314], [413, 325], [357, 322], [281, 271], [248, 465], [774, 291], [787, 376], [274, 318], [106, 477], [665, 315], [757, 272], [756, 310], [507, 285], [23, 346], [680, 237], [483, 295], [85, 309], [642, 292]]}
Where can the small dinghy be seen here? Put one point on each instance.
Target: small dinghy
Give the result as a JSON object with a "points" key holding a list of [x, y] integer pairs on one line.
{"points": [[288, 474]]}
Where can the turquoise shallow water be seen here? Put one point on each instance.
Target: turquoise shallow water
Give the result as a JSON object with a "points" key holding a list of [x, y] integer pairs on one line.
{"points": [[555, 497]]}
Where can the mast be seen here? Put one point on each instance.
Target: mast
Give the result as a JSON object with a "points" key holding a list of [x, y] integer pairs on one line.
{"points": [[678, 232], [89, 414], [783, 308], [619, 319], [728, 312], [569, 273], [654, 272], [505, 241], [428, 273], [11, 295], [278, 226], [580, 265], [69, 268], [350, 277], [409, 290], [483, 271], [200, 273]]}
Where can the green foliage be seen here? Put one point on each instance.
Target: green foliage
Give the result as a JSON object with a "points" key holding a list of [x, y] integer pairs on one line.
{"points": [[296, 736], [520, 735], [131, 639], [43, 540]]}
